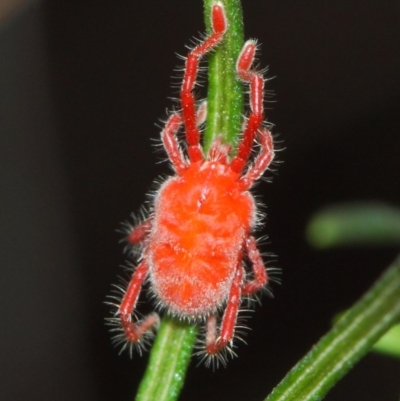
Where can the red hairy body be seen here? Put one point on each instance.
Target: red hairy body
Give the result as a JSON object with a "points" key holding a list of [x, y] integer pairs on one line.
{"points": [[198, 237], [199, 229]]}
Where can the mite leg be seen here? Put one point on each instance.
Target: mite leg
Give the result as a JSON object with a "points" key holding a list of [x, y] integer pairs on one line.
{"points": [[168, 137], [260, 274], [218, 23], [137, 234], [133, 332], [170, 142], [215, 344], [262, 161], [256, 82]]}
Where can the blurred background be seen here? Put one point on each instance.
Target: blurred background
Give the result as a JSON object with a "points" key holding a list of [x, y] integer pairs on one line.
{"points": [[83, 85]]}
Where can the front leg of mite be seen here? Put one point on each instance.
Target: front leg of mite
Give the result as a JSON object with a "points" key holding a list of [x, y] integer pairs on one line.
{"points": [[215, 344], [218, 25]]}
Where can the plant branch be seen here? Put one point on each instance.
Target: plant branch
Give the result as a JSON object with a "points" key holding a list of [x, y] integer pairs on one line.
{"points": [[349, 340], [357, 223], [225, 92], [169, 359]]}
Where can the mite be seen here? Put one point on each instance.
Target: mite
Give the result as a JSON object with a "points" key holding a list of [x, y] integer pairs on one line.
{"points": [[198, 233]]}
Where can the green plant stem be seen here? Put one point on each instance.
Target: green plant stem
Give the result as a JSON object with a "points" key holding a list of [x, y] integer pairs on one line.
{"points": [[349, 340], [225, 92], [358, 223], [170, 355], [169, 359], [389, 344]]}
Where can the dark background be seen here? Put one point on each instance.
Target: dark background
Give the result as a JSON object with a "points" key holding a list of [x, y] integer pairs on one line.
{"points": [[82, 85]]}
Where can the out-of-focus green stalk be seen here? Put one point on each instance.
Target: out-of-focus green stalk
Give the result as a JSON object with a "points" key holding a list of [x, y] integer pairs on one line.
{"points": [[349, 340], [389, 344], [360, 223]]}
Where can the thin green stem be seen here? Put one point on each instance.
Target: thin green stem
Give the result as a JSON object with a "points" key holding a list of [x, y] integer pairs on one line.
{"points": [[170, 355], [389, 344], [169, 359], [357, 223], [225, 92], [348, 341]]}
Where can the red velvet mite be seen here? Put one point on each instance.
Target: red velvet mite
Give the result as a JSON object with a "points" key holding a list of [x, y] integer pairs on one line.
{"points": [[199, 231]]}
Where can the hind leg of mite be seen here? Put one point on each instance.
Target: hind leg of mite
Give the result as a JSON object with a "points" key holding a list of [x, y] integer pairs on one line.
{"points": [[220, 340], [133, 332]]}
